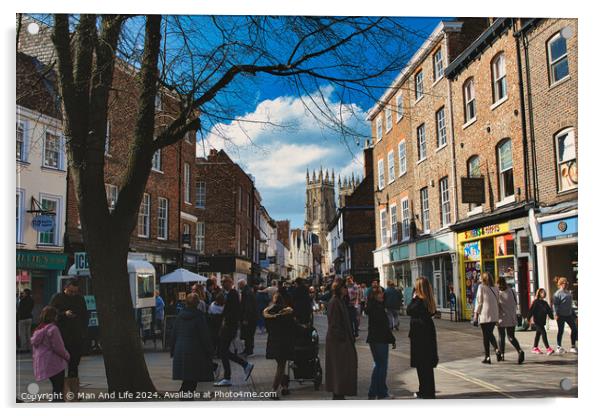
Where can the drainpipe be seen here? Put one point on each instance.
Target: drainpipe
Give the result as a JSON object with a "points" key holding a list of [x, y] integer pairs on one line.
{"points": [[453, 141]]}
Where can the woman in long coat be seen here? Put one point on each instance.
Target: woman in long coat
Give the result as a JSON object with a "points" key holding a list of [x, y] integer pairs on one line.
{"points": [[423, 337], [191, 346], [341, 356], [280, 325]]}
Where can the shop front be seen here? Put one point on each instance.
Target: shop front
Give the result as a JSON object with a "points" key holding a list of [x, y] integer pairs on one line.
{"points": [[39, 271], [225, 265], [555, 238]]}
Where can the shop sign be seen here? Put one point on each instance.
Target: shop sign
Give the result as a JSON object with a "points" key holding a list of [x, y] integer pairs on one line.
{"points": [[146, 318], [564, 228], [81, 262], [482, 232], [473, 190], [399, 253], [90, 302], [190, 259], [43, 223], [38, 260], [434, 245]]}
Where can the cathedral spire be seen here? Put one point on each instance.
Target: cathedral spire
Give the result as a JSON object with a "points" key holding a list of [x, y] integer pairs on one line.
{"points": [[314, 176], [326, 175], [307, 175]]}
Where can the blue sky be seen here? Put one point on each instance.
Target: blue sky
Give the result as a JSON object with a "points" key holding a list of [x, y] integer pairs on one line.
{"points": [[278, 156]]}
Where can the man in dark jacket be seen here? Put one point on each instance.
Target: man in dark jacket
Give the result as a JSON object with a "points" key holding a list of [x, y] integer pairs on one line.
{"points": [[393, 304], [249, 315], [302, 302], [230, 324], [73, 324], [24, 318]]}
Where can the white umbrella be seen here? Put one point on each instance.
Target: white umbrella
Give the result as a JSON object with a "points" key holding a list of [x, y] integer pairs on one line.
{"points": [[182, 276]]}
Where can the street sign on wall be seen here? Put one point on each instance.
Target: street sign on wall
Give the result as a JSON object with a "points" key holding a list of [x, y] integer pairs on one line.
{"points": [[43, 223], [473, 190]]}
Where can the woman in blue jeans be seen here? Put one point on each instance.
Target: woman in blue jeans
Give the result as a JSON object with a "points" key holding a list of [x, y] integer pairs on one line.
{"points": [[379, 338], [564, 313]]}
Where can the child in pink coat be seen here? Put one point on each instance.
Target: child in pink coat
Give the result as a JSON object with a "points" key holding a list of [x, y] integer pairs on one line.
{"points": [[50, 358]]}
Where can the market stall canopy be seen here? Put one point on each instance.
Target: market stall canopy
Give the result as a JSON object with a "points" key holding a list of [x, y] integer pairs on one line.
{"points": [[182, 276]]}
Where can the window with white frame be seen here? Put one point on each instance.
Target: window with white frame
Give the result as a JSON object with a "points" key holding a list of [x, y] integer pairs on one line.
{"points": [[381, 174], [566, 160], [437, 64], [201, 194], [144, 217], [441, 132], [405, 219], [474, 171], [505, 171], [187, 183], [393, 211], [558, 61], [108, 139], [19, 206], [200, 237], [383, 227], [424, 201], [445, 207], [399, 106], [162, 219], [158, 102], [379, 128], [21, 151], [401, 150], [186, 234], [391, 165], [388, 119], [498, 77], [421, 136], [156, 166], [52, 151], [50, 205], [419, 85], [470, 103], [112, 195]]}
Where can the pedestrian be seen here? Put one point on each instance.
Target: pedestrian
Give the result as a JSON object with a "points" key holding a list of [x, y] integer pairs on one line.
{"points": [[214, 318], [159, 311], [73, 323], [363, 298], [353, 305], [263, 300], [393, 304], [379, 338], [280, 325], [249, 316], [199, 290], [50, 358], [564, 313], [24, 319], [341, 356], [227, 333], [539, 311], [301, 302], [487, 314], [191, 347], [423, 337], [507, 318]]}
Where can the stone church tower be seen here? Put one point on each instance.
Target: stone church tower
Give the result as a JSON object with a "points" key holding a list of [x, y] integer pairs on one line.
{"points": [[320, 204]]}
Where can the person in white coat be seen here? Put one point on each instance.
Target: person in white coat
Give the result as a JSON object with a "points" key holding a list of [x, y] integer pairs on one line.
{"points": [[487, 314]]}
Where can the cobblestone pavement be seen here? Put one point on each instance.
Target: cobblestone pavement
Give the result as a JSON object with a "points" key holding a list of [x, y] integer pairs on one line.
{"points": [[460, 374]]}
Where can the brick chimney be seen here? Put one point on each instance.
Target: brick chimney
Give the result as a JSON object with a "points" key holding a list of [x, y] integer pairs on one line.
{"points": [[368, 160]]}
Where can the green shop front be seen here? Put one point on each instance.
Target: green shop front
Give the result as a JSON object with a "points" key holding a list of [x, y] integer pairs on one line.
{"points": [[39, 271]]}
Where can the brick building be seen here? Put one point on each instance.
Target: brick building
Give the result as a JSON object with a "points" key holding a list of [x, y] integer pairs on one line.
{"points": [[550, 70], [413, 169], [230, 216]]}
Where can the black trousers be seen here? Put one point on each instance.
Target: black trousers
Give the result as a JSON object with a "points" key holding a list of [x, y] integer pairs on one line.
{"points": [[58, 382], [247, 334], [226, 355], [502, 331], [426, 381], [75, 354], [188, 386], [488, 337], [540, 332], [570, 320]]}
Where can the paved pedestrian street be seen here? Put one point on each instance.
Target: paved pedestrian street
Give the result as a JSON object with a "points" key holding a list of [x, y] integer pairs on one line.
{"points": [[460, 374]]}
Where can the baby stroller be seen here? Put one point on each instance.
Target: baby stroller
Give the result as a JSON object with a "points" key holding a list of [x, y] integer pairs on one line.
{"points": [[305, 365]]}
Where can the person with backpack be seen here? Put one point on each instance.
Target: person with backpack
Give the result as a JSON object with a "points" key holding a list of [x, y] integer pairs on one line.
{"points": [[507, 322], [487, 314], [539, 311], [564, 313]]}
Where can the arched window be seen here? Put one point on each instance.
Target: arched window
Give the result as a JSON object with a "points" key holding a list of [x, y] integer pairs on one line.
{"points": [[566, 159], [498, 77], [470, 103], [558, 62], [505, 170]]}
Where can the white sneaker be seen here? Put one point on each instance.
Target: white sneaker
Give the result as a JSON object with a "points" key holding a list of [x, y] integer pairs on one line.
{"points": [[223, 383], [248, 369], [560, 350], [573, 350]]}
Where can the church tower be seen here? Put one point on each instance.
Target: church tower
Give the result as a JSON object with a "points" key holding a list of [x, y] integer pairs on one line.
{"points": [[320, 205]]}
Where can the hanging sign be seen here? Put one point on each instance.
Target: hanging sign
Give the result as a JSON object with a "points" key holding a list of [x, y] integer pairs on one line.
{"points": [[43, 223]]}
